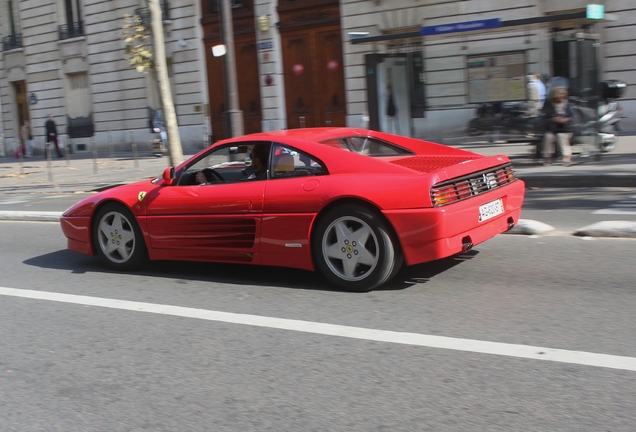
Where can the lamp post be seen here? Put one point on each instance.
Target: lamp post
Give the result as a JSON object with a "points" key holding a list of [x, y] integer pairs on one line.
{"points": [[234, 114]]}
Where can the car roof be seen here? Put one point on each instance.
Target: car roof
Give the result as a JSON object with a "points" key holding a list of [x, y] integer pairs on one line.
{"points": [[311, 139], [311, 134]]}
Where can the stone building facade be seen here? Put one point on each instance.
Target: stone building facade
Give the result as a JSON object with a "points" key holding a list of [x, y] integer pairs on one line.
{"points": [[66, 58], [533, 36], [299, 63]]}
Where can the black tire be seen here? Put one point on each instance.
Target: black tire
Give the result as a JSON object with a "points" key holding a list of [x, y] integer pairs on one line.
{"points": [[354, 249], [118, 239]]}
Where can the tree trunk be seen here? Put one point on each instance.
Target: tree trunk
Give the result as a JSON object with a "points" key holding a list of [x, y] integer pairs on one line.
{"points": [[169, 116]]}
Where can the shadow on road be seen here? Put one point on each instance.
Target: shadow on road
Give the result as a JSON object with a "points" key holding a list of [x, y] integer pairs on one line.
{"points": [[239, 274]]}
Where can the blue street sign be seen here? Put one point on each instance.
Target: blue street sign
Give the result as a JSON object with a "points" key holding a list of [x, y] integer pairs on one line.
{"points": [[265, 46], [460, 27]]}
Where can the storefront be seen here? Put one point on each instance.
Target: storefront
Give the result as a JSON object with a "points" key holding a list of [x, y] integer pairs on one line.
{"points": [[428, 80]]}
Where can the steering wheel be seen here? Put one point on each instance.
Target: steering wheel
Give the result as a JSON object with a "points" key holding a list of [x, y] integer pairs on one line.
{"points": [[217, 176]]}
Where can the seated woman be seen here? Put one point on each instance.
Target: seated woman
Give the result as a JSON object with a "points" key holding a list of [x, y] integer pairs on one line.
{"points": [[558, 117]]}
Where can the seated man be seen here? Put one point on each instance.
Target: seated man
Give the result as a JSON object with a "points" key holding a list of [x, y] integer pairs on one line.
{"points": [[260, 158]]}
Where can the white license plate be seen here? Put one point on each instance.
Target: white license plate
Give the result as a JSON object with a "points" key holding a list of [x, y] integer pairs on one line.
{"points": [[490, 209]]}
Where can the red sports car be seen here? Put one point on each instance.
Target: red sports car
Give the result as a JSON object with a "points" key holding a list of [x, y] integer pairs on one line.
{"points": [[353, 204]]}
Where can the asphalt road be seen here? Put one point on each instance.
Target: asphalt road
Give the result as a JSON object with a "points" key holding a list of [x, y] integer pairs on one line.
{"points": [[200, 347]]}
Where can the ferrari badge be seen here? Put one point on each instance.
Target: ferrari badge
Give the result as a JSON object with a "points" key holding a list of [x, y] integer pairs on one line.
{"points": [[141, 196]]}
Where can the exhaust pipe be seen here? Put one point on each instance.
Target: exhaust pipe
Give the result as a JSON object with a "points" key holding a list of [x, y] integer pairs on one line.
{"points": [[467, 244]]}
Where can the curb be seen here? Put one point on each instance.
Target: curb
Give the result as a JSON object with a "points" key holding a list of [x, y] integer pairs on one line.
{"points": [[579, 181], [531, 227], [32, 216], [622, 229]]}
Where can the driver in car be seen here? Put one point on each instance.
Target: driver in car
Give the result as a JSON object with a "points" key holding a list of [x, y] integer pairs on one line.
{"points": [[259, 157]]}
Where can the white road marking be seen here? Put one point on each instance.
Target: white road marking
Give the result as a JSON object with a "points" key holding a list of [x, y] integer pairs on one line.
{"points": [[13, 201], [614, 211], [623, 207], [416, 339]]}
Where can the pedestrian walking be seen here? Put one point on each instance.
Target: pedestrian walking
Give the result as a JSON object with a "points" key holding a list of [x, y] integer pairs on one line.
{"points": [[51, 135], [27, 138]]}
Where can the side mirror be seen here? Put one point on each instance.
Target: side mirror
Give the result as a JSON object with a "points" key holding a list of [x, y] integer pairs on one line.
{"points": [[168, 176]]}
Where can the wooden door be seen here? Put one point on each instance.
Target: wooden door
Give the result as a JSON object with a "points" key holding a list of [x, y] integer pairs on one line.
{"points": [[21, 102], [330, 78], [246, 57], [298, 66], [314, 79]]}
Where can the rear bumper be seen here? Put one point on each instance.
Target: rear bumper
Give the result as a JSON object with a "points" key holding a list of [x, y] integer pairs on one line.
{"points": [[434, 233]]}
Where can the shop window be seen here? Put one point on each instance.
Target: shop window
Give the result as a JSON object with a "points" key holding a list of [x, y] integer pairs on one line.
{"points": [[496, 77]]}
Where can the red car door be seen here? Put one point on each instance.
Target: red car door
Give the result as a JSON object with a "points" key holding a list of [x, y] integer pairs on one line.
{"points": [[206, 222]]}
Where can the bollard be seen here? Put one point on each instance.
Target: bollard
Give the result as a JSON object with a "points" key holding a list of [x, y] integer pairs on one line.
{"points": [[67, 150], [110, 146], [134, 147], [49, 167], [21, 160], [94, 148]]}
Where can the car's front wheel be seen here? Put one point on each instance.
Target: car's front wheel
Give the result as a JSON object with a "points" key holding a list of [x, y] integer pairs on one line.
{"points": [[118, 239], [354, 249]]}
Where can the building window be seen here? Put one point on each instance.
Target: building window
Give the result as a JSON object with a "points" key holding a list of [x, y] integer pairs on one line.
{"points": [[144, 13], [73, 26], [78, 96], [213, 5], [13, 38]]}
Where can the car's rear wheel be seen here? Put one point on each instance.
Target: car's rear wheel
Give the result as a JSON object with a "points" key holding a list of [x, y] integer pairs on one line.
{"points": [[118, 239], [354, 249]]}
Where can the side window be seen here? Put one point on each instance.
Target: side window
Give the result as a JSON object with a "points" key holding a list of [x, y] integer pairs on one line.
{"points": [[225, 164], [289, 162]]}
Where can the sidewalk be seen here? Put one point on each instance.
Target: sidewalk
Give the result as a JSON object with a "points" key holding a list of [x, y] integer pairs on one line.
{"points": [[614, 169], [81, 173]]}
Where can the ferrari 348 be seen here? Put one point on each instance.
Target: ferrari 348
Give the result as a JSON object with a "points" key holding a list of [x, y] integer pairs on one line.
{"points": [[353, 204]]}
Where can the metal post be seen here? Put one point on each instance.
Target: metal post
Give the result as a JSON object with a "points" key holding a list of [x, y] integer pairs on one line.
{"points": [[134, 147], [235, 115], [110, 146], [67, 151], [49, 168], [20, 159], [94, 148]]}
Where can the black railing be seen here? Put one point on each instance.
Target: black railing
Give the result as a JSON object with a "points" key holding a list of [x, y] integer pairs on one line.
{"points": [[68, 31], [213, 5], [12, 41], [144, 14]]}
